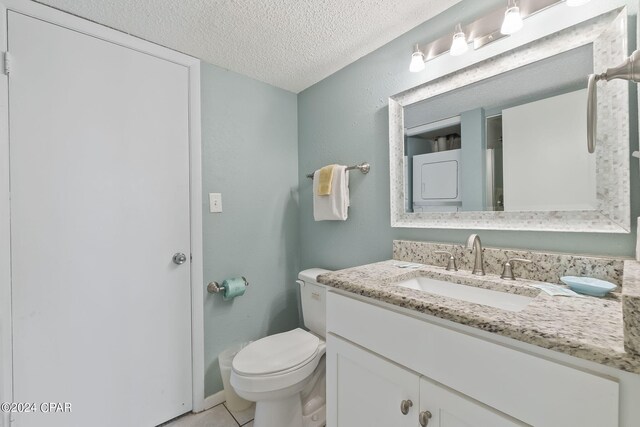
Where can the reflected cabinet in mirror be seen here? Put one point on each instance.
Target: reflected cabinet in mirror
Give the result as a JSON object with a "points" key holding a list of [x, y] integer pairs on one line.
{"points": [[503, 144]]}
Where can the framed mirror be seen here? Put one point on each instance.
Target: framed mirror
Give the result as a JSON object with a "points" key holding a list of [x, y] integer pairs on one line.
{"points": [[502, 144]]}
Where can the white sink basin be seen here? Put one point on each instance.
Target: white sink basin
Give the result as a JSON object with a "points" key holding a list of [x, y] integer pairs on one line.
{"points": [[501, 300]]}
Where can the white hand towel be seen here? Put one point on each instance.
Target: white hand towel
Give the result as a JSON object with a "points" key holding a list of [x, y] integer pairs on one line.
{"points": [[335, 206]]}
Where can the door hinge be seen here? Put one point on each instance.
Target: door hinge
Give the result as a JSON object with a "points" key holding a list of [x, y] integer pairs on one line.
{"points": [[6, 63]]}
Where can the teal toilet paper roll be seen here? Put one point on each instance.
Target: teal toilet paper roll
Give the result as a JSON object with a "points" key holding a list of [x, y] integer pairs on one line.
{"points": [[233, 288]]}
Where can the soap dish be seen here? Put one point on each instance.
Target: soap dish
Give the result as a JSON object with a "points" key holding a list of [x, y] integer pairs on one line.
{"points": [[588, 285]]}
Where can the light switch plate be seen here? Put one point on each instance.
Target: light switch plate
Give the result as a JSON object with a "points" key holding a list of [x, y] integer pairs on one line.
{"points": [[215, 202]]}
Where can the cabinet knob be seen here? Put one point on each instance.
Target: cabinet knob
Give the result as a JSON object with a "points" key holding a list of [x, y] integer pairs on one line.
{"points": [[405, 405], [424, 417]]}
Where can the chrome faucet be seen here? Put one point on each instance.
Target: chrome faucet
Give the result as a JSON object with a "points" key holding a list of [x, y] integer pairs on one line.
{"points": [[473, 243]]}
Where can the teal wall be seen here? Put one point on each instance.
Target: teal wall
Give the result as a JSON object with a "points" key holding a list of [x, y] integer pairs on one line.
{"points": [[250, 155], [344, 119], [474, 152]]}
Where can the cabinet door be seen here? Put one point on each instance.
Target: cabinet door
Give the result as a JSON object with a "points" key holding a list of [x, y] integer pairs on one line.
{"points": [[451, 409], [365, 390]]}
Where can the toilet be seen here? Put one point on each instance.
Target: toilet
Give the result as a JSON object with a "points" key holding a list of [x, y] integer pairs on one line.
{"points": [[285, 373]]}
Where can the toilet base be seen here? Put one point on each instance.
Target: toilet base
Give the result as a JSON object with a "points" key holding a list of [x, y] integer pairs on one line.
{"points": [[317, 419], [286, 412]]}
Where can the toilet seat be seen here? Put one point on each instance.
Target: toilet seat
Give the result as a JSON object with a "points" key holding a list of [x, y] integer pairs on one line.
{"points": [[277, 354], [259, 369]]}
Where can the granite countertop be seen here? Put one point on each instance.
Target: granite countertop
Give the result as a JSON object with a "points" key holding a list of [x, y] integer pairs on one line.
{"points": [[589, 328]]}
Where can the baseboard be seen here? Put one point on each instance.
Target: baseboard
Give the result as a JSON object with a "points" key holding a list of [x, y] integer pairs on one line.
{"points": [[214, 400]]}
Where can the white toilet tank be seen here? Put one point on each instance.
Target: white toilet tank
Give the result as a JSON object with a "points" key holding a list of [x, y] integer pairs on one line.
{"points": [[313, 296]]}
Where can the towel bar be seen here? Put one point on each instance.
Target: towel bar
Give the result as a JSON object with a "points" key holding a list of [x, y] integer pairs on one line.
{"points": [[362, 167]]}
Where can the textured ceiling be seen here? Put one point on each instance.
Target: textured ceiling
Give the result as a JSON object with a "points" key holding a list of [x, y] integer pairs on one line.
{"points": [[291, 44]]}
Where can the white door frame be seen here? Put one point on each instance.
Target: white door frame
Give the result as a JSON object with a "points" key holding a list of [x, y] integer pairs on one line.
{"points": [[63, 19]]}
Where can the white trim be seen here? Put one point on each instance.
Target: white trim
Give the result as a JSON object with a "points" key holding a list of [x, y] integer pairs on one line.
{"points": [[197, 269], [6, 354], [214, 400], [63, 19], [55, 16]]}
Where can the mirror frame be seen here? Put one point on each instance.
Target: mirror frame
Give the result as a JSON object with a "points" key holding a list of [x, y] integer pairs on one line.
{"points": [[608, 34]]}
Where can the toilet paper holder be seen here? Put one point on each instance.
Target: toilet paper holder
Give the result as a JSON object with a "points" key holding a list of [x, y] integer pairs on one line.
{"points": [[215, 287]]}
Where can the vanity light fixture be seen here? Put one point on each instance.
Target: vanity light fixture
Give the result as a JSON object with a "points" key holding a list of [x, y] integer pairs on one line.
{"points": [[574, 3], [459, 44], [417, 60], [493, 26], [512, 22]]}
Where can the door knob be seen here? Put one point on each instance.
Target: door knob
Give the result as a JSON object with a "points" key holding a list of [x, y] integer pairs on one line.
{"points": [[179, 258], [424, 417], [405, 405]]}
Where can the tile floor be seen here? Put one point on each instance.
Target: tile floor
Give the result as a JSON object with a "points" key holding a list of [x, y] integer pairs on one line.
{"points": [[218, 416]]}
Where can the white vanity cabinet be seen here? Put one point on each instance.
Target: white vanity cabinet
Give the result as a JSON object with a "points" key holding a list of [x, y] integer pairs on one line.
{"points": [[369, 390], [442, 407], [379, 355], [374, 392]]}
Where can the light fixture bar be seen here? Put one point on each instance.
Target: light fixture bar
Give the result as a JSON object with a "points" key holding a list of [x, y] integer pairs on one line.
{"points": [[486, 30]]}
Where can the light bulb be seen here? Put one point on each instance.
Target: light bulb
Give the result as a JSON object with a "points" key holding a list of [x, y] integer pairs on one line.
{"points": [[574, 3], [512, 20], [459, 44], [417, 61]]}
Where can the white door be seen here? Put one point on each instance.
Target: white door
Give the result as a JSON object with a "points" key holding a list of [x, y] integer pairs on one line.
{"points": [[365, 390], [451, 409], [99, 205]]}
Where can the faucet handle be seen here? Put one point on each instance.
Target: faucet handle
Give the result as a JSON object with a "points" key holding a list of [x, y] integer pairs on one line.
{"points": [[451, 265], [507, 271]]}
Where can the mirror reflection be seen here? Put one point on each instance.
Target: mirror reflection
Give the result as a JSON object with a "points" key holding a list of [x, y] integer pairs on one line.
{"points": [[513, 142]]}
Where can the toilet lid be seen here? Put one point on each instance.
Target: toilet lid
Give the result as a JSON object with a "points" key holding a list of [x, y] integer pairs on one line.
{"points": [[276, 353]]}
